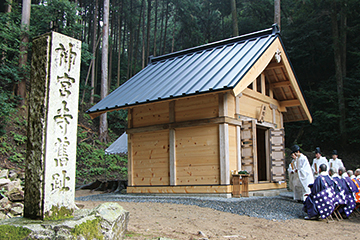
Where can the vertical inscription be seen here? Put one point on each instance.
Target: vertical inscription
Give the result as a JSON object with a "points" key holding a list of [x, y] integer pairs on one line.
{"points": [[60, 160]]}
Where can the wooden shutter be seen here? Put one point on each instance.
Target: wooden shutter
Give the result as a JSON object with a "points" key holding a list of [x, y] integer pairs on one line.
{"points": [[248, 149], [277, 154]]}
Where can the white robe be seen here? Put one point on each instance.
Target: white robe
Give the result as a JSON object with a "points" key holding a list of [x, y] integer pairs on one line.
{"points": [[321, 160], [337, 163], [294, 182], [305, 176]]}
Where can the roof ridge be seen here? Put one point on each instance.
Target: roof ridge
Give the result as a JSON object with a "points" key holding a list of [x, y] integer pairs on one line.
{"points": [[266, 32]]}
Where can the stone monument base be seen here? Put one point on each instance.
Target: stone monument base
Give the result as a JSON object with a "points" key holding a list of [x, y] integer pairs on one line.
{"points": [[106, 221]]}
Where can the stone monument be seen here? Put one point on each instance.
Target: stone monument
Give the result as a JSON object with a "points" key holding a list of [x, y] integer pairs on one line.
{"points": [[52, 127]]}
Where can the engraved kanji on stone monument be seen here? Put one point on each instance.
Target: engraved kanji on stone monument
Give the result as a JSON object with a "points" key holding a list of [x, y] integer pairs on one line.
{"points": [[51, 157]]}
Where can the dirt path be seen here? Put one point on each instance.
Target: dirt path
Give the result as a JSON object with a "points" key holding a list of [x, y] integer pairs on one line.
{"points": [[175, 221]]}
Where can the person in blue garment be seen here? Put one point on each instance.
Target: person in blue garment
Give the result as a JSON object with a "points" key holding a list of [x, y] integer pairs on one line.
{"points": [[319, 203], [350, 191]]}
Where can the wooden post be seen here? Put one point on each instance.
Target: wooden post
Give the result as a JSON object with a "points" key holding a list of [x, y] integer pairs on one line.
{"points": [[130, 159], [130, 162], [224, 154], [172, 147], [267, 154], [263, 83], [223, 106], [172, 157], [238, 148], [253, 126]]}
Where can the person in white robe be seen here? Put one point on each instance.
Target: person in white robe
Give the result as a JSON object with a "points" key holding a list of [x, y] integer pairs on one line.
{"points": [[303, 171], [318, 160], [335, 162], [294, 182]]}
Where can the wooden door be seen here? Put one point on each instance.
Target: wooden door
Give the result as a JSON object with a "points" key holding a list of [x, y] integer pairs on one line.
{"points": [[277, 154], [248, 149]]}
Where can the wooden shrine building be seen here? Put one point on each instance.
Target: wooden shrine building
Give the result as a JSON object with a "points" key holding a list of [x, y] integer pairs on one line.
{"points": [[198, 114]]}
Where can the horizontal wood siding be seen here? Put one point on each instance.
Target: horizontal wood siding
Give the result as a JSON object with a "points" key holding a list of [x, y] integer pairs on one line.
{"points": [[232, 148], [150, 158], [197, 155], [196, 108], [150, 115], [251, 107]]}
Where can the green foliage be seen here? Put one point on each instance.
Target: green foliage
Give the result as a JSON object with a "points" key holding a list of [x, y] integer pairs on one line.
{"points": [[62, 14], [6, 107], [8, 232], [92, 163], [18, 138]]}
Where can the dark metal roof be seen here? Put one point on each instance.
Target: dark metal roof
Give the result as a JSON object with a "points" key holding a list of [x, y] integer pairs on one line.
{"points": [[212, 67]]}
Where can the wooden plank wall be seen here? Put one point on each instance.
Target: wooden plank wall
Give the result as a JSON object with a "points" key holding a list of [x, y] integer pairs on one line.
{"points": [[150, 114], [150, 152], [197, 108], [197, 155]]}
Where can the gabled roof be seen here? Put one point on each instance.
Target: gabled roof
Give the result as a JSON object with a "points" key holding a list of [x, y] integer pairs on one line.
{"points": [[212, 67]]}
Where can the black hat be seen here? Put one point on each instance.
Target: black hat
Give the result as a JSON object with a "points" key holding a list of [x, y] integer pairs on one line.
{"points": [[317, 150], [335, 152], [295, 148]]}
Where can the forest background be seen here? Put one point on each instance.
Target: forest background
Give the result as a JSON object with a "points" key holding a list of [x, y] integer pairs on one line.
{"points": [[321, 38]]}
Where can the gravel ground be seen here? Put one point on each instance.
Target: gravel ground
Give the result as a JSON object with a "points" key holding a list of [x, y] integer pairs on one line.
{"points": [[271, 208]]}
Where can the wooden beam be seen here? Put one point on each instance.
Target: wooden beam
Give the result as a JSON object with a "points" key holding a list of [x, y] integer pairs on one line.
{"points": [[172, 157], [192, 123], [214, 189], [274, 66], [290, 103], [224, 154], [281, 84], [260, 97]]}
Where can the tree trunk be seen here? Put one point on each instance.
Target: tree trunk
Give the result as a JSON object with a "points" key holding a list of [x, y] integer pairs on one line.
{"points": [[173, 36], [137, 40], [277, 12], [148, 31], [155, 27], [234, 18], [8, 6], [161, 28], [95, 20], [25, 22], [338, 41], [119, 47], [111, 43], [143, 39], [166, 23], [103, 128]]}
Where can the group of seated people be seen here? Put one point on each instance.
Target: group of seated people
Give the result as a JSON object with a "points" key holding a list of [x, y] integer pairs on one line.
{"points": [[332, 191], [325, 188]]}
